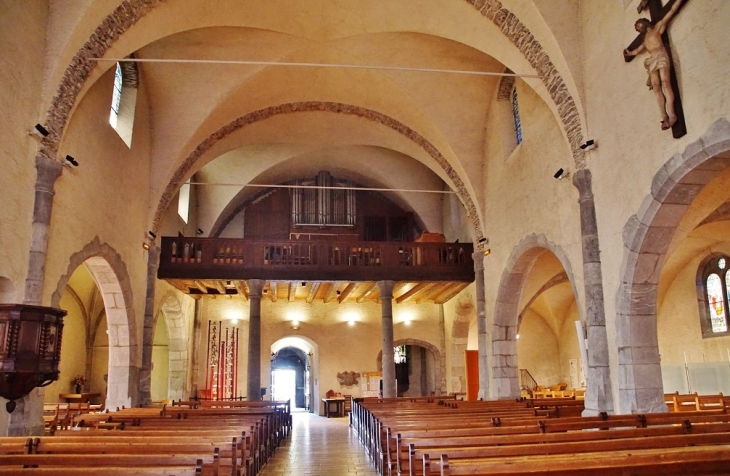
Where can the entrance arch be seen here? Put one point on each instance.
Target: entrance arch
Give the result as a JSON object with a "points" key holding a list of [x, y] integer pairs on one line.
{"points": [[310, 351], [647, 237], [110, 275]]}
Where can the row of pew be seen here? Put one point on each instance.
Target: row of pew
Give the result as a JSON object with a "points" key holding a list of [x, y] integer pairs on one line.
{"points": [[206, 438], [432, 436]]}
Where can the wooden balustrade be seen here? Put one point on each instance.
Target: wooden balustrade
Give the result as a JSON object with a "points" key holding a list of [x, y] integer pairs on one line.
{"points": [[220, 258]]}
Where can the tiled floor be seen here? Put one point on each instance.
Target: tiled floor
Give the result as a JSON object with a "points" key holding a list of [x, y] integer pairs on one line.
{"points": [[320, 446]]}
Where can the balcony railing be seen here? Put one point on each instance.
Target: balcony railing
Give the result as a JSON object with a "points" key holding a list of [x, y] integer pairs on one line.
{"points": [[220, 258]]}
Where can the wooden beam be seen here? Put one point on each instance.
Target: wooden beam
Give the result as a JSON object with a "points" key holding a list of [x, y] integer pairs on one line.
{"points": [[242, 291], [457, 288], [273, 291], [313, 291], [199, 284], [411, 292], [346, 292], [368, 291], [292, 292], [220, 286], [432, 292], [332, 292]]}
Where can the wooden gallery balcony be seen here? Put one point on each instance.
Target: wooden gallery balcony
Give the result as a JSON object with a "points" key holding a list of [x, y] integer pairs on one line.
{"points": [[240, 259]]}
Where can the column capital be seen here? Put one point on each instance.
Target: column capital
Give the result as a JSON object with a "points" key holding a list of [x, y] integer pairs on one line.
{"points": [[48, 170], [583, 181], [255, 287], [386, 289]]}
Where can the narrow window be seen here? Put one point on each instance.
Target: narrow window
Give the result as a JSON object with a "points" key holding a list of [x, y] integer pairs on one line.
{"points": [[183, 203], [124, 100], [116, 97], [516, 116]]}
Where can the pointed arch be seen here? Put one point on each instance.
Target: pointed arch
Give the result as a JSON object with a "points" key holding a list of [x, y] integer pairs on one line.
{"points": [[505, 374], [111, 277], [647, 236]]}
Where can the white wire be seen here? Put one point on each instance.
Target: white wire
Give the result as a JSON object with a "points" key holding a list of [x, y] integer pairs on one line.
{"points": [[368, 189], [312, 65]]}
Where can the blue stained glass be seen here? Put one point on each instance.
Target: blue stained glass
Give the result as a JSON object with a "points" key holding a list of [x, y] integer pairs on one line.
{"points": [[516, 117]]}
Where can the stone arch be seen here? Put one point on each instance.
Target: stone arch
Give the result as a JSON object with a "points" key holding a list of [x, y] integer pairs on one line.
{"points": [[505, 374], [311, 349], [183, 171], [111, 277], [175, 321], [438, 358], [647, 236]]}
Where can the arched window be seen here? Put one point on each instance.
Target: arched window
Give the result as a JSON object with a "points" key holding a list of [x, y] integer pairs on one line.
{"points": [[516, 116], [713, 284]]}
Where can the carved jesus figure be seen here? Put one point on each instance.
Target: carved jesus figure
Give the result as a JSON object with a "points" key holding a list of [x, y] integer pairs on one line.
{"points": [[658, 63]]}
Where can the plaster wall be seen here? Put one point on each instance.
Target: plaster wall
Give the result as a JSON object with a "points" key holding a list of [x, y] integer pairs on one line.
{"points": [[678, 320], [523, 198], [22, 38], [160, 362], [340, 347], [73, 352], [538, 350], [105, 196], [622, 115]]}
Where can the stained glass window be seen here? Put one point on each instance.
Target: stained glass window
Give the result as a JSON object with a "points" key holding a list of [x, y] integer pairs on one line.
{"points": [[516, 116], [716, 284], [399, 354], [717, 303]]}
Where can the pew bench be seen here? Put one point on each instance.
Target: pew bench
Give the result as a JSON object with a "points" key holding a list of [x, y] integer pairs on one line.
{"points": [[416, 465], [703, 460]]}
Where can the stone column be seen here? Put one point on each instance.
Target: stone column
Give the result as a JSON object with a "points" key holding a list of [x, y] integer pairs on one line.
{"points": [[386, 299], [148, 333], [48, 170], [482, 336], [599, 397], [441, 384], [255, 288], [27, 418], [195, 357]]}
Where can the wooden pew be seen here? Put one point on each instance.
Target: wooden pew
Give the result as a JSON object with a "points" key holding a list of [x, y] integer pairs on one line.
{"points": [[705, 460], [419, 451]]}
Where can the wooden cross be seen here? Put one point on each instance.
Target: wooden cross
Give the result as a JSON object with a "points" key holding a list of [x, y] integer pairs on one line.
{"points": [[657, 13]]}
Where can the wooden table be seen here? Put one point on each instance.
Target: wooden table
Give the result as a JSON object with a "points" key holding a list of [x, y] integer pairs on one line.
{"points": [[334, 406], [77, 397]]}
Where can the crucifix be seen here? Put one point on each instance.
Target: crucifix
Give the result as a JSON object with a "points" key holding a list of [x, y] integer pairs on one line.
{"points": [[662, 80]]}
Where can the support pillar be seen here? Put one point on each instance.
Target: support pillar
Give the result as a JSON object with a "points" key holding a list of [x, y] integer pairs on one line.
{"points": [[386, 299], [482, 336], [599, 397], [195, 356], [255, 291], [27, 417], [48, 170], [148, 333]]}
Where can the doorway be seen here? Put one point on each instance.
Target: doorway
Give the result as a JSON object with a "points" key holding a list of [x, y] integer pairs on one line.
{"points": [[283, 384], [289, 376]]}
